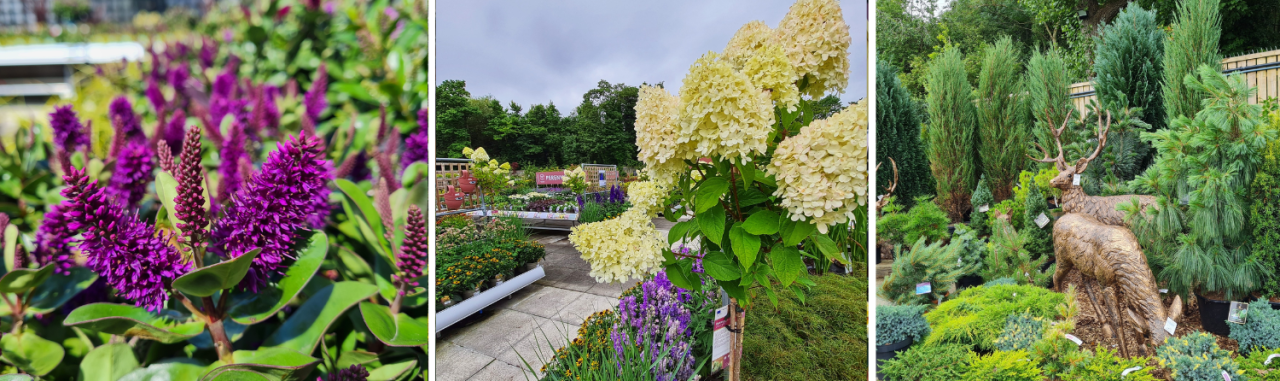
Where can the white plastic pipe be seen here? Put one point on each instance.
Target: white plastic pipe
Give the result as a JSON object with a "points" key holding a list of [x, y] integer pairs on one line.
{"points": [[451, 315]]}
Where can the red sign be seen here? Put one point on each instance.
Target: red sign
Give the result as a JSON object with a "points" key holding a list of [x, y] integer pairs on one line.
{"points": [[550, 178]]}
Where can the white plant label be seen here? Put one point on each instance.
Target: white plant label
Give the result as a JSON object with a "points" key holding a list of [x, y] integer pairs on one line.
{"points": [[984, 208], [1226, 376], [1271, 357], [1075, 179], [720, 337], [923, 288], [1042, 220], [1130, 370], [1164, 291], [1075, 339], [880, 197], [1170, 325]]}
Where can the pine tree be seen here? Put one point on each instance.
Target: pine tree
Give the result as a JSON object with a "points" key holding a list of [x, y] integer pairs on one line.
{"points": [[1010, 258], [950, 133], [1193, 42], [1002, 122], [898, 137], [981, 196], [1039, 240]]}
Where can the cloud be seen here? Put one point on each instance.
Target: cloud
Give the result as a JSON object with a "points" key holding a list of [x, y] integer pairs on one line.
{"points": [[554, 51]]}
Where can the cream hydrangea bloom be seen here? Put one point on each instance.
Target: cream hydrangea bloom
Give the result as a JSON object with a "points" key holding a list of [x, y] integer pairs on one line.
{"points": [[817, 41], [657, 129], [574, 173], [757, 52], [722, 113], [478, 155], [647, 196], [822, 171], [752, 36], [622, 248]]}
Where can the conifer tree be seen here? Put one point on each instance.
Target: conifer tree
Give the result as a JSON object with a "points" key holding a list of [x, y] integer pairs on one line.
{"points": [[950, 134], [1193, 42], [1002, 117], [898, 137]]}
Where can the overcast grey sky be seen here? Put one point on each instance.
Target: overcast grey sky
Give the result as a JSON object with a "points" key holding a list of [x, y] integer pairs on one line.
{"points": [[534, 52]]}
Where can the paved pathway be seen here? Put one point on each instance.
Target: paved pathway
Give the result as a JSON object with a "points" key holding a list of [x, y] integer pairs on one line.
{"points": [[491, 344]]}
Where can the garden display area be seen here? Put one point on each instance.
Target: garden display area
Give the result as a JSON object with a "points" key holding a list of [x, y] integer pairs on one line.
{"points": [[1032, 239], [246, 202]]}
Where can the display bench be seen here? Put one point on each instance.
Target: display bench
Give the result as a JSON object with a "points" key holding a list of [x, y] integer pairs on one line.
{"points": [[453, 314]]}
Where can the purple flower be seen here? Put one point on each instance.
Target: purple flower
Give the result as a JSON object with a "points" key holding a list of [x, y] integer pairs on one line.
{"points": [[657, 320], [224, 85], [354, 167], [417, 148], [208, 51], [130, 254], [173, 132], [125, 121], [232, 153], [154, 95], [189, 206], [54, 241], [314, 99], [289, 194], [413, 253], [178, 77], [68, 133], [354, 373], [133, 172]]}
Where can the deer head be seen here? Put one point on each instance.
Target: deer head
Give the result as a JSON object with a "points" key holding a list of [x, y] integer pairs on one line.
{"points": [[1066, 173], [888, 191]]}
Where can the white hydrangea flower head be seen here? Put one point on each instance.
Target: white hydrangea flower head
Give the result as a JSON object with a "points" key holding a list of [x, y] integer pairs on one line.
{"points": [[722, 113], [574, 173], [822, 171], [657, 129], [620, 249], [757, 52], [478, 155], [816, 39], [647, 196], [752, 36]]}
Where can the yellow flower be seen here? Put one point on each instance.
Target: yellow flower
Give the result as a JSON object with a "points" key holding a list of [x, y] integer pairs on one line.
{"points": [[621, 248], [647, 196], [657, 129], [822, 171], [757, 52], [722, 113], [816, 40]]}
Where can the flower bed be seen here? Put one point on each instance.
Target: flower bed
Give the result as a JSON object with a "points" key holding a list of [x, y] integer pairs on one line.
{"points": [[471, 258]]}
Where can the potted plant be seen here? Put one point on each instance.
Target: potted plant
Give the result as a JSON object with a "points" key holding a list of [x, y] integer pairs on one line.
{"points": [[972, 251], [897, 327], [453, 199], [467, 183]]}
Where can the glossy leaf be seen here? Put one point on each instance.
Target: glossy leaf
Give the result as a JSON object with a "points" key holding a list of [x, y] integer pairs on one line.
{"points": [[680, 230], [712, 224], [23, 280], [396, 331], [302, 331], [224, 275], [31, 353], [172, 369], [349, 358], [119, 319], [253, 308], [167, 192], [793, 232], [745, 245], [10, 241], [267, 363], [709, 192], [368, 215], [108, 363], [718, 265], [682, 277], [747, 172], [16, 377], [787, 264], [829, 248], [392, 371], [761, 223]]}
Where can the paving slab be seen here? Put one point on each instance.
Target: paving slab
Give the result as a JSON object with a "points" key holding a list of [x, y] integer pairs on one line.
{"points": [[498, 332], [583, 307], [462, 363], [546, 302], [500, 371]]}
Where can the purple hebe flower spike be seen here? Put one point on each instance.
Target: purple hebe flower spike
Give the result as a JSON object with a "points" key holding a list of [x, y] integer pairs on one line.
{"points": [[314, 99], [134, 170], [232, 152], [53, 240], [131, 255], [68, 133], [208, 51], [129, 125], [288, 194], [174, 131], [189, 206], [418, 146], [356, 372], [155, 96], [413, 253]]}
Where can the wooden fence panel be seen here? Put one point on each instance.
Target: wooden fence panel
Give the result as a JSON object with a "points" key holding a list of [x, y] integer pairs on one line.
{"points": [[1265, 79]]}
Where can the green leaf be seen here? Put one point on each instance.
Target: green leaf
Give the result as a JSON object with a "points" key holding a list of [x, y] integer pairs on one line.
{"points": [[682, 277], [168, 369], [23, 280], [680, 230], [302, 331], [718, 265], [829, 248], [16, 377], [392, 371], [256, 307], [224, 275], [369, 219], [119, 319], [734, 290], [349, 358], [267, 363], [751, 196], [709, 192], [761, 223], [787, 264], [712, 224], [745, 245], [396, 331], [10, 235], [793, 232], [748, 172], [108, 363], [31, 353], [167, 192]]}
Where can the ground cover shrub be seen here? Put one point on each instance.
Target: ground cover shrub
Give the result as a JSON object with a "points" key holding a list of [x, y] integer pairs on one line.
{"points": [[940, 362], [1196, 357], [1255, 367], [897, 323], [898, 137], [939, 265], [951, 133], [1003, 366], [978, 315], [828, 322], [1007, 256], [924, 220], [1021, 331], [1260, 331], [1106, 365]]}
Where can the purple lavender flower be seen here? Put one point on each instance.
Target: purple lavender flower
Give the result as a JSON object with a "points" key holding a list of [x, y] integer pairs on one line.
{"points": [[130, 254], [126, 122], [154, 95], [658, 320], [413, 253], [53, 240], [68, 133], [290, 193], [133, 172], [232, 153], [314, 99]]}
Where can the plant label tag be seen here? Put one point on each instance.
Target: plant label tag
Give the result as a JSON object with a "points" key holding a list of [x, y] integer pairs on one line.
{"points": [[1130, 370], [1271, 357], [1226, 376], [924, 288], [984, 208], [1164, 291], [880, 197], [1170, 325], [1042, 220], [1238, 313], [1075, 339], [1186, 200], [720, 339], [1075, 179]]}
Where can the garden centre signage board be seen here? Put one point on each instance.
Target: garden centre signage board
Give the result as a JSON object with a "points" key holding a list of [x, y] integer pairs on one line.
{"points": [[550, 178]]}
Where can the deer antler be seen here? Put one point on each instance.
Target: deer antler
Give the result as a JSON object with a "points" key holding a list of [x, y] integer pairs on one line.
{"points": [[884, 200], [1060, 161], [1103, 129]]}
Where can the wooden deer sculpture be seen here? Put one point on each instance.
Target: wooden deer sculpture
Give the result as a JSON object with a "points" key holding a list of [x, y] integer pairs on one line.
{"points": [[888, 191], [1111, 256], [1074, 200]]}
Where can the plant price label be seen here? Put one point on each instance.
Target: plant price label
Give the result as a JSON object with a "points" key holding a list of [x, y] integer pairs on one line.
{"points": [[1164, 291], [1226, 376], [1075, 339], [880, 197], [720, 337], [923, 288], [1042, 220], [1130, 370], [1271, 357], [1170, 325], [984, 208], [1075, 179]]}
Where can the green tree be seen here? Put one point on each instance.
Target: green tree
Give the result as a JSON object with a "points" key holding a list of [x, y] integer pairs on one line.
{"points": [[1047, 84], [453, 113], [898, 137], [1001, 111], [981, 196], [1128, 64], [950, 133], [1038, 239], [1193, 43]]}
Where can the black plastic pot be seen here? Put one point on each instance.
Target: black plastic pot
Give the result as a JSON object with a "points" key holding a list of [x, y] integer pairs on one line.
{"points": [[877, 250], [888, 352], [1275, 306], [968, 281], [1213, 315]]}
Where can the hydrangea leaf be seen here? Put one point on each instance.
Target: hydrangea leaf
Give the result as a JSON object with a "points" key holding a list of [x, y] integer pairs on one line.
{"points": [[264, 364], [709, 192], [681, 274], [829, 248], [680, 230], [761, 223], [23, 280], [31, 353], [396, 331], [392, 371], [224, 275], [251, 308], [793, 232], [303, 330], [108, 363], [180, 368], [119, 319], [58, 289], [712, 224], [787, 264], [745, 245], [718, 265]]}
